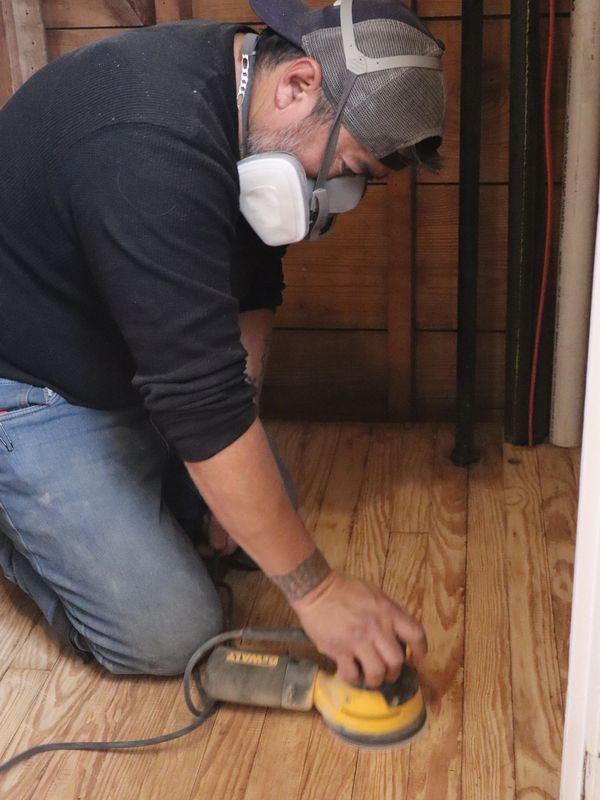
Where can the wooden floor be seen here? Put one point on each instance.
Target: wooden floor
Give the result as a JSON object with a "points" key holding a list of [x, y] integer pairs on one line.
{"points": [[483, 557]]}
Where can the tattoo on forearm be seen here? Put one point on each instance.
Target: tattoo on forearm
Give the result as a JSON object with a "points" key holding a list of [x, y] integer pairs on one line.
{"points": [[306, 577]]}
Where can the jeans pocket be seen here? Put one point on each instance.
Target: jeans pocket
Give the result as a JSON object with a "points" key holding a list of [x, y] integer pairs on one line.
{"points": [[16, 397], [19, 400]]}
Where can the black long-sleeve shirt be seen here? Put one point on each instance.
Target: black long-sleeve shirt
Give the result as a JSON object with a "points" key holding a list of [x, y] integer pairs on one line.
{"points": [[124, 261]]}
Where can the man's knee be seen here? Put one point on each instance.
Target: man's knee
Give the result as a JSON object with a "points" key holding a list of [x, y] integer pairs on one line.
{"points": [[162, 643]]}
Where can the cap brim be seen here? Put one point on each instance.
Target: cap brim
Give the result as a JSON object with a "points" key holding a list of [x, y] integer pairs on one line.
{"points": [[284, 18]]}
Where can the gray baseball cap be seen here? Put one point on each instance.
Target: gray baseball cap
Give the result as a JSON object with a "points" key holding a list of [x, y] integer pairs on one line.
{"points": [[398, 98]]}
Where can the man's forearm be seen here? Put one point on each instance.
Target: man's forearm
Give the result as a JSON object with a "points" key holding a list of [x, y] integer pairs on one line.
{"points": [[244, 490]]}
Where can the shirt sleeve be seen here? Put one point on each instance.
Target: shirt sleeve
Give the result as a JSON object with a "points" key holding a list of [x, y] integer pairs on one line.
{"points": [[156, 218]]}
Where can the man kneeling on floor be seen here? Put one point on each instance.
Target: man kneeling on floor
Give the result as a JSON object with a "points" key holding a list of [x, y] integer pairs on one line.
{"points": [[137, 303]]}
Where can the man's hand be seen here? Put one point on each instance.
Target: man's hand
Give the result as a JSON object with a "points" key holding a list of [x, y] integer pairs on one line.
{"points": [[360, 628]]}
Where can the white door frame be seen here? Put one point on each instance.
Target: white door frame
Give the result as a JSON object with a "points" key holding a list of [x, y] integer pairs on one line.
{"points": [[580, 776]]}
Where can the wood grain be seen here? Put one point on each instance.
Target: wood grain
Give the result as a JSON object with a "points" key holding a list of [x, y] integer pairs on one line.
{"points": [[22, 44], [340, 281], [399, 239], [285, 737], [453, 8], [559, 509], [329, 763], [18, 690], [495, 103], [64, 40], [436, 258], [488, 759], [435, 378], [41, 649], [537, 705], [98, 13], [435, 759], [19, 617], [519, 518], [173, 10], [327, 375], [309, 457], [385, 775]]}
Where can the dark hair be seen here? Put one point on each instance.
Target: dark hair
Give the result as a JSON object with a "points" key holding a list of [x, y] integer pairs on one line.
{"points": [[422, 154], [272, 50]]}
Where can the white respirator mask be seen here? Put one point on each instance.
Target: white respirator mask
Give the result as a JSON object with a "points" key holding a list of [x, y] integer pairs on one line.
{"points": [[277, 198]]}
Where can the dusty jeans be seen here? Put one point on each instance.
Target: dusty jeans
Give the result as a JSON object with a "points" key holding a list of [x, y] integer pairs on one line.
{"points": [[92, 528]]}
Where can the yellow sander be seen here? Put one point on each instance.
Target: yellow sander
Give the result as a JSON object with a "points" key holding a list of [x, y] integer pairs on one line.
{"points": [[385, 717], [222, 670]]}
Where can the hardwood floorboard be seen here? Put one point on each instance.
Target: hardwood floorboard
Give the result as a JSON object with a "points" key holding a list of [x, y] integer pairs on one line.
{"points": [[385, 775], [559, 509], [330, 765], [435, 762], [537, 701], [285, 737], [488, 757], [412, 487], [484, 558], [309, 453], [19, 617]]}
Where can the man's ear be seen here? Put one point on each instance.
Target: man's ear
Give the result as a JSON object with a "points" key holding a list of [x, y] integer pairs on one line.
{"points": [[298, 82]]}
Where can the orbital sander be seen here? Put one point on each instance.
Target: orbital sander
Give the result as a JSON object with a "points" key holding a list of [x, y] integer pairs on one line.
{"points": [[387, 717]]}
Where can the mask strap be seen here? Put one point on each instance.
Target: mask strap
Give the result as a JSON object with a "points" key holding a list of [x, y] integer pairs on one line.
{"points": [[245, 87], [320, 202]]}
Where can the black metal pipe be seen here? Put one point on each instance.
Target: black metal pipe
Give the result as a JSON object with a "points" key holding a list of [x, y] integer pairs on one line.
{"points": [[523, 211], [464, 452]]}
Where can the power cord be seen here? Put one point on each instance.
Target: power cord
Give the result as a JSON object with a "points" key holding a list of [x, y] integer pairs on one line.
{"points": [[191, 675]]}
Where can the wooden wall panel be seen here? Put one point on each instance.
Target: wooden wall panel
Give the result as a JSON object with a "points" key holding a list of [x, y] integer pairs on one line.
{"points": [[62, 40], [97, 13], [340, 282], [435, 378], [239, 10], [436, 257], [453, 8], [22, 44], [327, 375]]}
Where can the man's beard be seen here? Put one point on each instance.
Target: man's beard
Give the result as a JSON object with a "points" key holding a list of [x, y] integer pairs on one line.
{"points": [[290, 139]]}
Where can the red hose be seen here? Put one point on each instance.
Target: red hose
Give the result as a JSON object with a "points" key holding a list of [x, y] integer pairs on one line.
{"points": [[549, 212]]}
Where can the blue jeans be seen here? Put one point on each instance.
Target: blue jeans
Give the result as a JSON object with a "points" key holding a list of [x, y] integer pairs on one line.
{"points": [[93, 514]]}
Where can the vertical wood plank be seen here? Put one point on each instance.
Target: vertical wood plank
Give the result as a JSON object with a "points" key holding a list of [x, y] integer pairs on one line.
{"points": [[400, 220], [537, 706], [413, 494], [173, 10], [435, 761], [22, 42], [19, 617], [385, 775], [285, 737], [488, 760], [309, 451], [18, 690], [330, 765], [559, 496]]}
